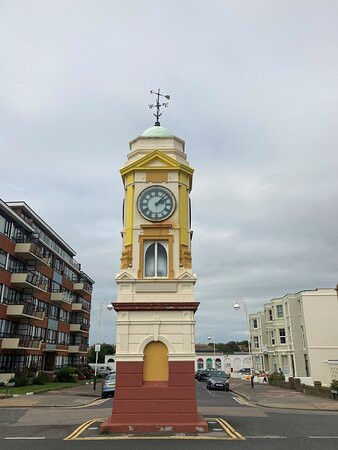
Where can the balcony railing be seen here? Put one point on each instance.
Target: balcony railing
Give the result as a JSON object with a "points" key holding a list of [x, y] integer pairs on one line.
{"points": [[79, 306], [24, 309], [63, 297], [76, 327], [17, 341], [28, 280], [32, 250], [83, 288], [79, 348]]}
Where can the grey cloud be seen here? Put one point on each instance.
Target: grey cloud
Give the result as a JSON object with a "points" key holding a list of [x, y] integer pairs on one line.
{"points": [[254, 94]]}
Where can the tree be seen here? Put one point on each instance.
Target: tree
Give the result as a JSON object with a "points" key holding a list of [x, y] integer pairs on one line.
{"points": [[106, 349]]}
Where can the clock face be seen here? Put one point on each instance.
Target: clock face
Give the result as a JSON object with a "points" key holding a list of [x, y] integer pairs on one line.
{"points": [[156, 203]]}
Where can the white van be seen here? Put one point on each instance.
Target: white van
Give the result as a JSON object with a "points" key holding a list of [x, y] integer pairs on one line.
{"points": [[101, 369]]}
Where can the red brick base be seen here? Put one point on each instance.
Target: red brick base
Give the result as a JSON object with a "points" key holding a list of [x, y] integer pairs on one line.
{"points": [[155, 406]]}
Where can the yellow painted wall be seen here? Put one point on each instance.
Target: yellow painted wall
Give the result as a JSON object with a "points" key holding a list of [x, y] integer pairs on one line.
{"points": [[129, 209], [155, 362], [183, 209]]}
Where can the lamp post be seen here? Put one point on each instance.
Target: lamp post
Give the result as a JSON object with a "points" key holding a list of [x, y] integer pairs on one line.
{"points": [[236, 308], [209, 339], [98, 346]]}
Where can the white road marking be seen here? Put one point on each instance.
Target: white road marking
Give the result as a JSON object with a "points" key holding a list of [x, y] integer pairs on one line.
{"points": [[323, 437], [265, 437], [26, 437], [242, 401], [93, 428], [217, 429], [212, 395]]}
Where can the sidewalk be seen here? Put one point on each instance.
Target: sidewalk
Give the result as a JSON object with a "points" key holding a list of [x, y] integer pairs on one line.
{"points": [[275, 397], [69, 397]]}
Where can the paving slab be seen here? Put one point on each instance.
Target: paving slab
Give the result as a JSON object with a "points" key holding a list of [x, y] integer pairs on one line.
{"points": [[68, 397], [274, 397]]}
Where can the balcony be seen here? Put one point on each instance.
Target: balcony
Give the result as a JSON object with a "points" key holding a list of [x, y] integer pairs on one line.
{"points": [[20, 343], [82, 288], [30, 250], [82, 348], [28, 280], [61, 297], [25, 310], [79, 328], [79, 307]]}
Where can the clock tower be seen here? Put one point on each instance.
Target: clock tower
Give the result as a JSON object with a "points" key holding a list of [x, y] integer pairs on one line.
{"points": [[155, 305]]}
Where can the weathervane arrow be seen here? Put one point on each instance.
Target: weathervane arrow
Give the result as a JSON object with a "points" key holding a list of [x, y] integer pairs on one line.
{"points": [[158, 105]]}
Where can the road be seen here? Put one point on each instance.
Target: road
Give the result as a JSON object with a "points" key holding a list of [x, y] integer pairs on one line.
{"points": [[232, 423]]}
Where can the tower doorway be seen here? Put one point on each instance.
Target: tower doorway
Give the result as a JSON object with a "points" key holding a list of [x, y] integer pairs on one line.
{"points": [[155, 362]]}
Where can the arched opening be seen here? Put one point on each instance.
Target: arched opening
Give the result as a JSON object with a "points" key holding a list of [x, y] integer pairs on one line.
{"points": [[209, 363], [200, 363], [218, 364], [155, 362], [110, 360], [155, 259]]}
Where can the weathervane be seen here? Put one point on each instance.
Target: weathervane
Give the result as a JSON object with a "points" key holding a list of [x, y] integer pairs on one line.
{"points": [[158, 105]]}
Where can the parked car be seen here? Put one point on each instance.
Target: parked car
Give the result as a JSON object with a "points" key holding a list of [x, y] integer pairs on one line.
{"points": [[245, 371], [108, 386], [203, 374], [218, 380], [101, 369], [197, 373]]}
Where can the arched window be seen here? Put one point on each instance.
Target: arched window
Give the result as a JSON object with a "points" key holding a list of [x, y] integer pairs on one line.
{"points": [[209, 363], [200, 363], [218, 364], [155, 259]]}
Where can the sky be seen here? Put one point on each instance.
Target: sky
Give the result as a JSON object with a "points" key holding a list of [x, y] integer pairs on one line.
{"points": [[254, 94]]}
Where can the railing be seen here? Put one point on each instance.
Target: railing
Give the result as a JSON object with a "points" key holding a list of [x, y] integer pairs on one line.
{"points": [[35, 279], [84, 304], [32, 310]]}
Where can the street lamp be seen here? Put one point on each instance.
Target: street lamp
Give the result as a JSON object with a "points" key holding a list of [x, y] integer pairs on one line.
{"points": [[236, 308], [98, 346], [209, 339]]}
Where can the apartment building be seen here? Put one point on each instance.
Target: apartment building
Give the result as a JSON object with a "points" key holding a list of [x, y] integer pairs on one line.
{"points": [[45, 297], [297, 333]]}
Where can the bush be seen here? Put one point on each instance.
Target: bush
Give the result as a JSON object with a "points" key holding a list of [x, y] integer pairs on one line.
{"points": [[334, 385], [276, 377], [20, 381], [65, 375], [40, 379]]}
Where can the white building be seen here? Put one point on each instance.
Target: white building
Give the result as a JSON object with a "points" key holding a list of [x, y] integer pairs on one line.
{"points": [[298, 334], [228, 363]]}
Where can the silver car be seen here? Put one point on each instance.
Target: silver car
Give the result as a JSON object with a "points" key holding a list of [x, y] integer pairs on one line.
{"points": [[218, 380]]}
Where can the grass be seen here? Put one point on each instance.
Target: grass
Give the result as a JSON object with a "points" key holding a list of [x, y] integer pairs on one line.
{"points": [[52, 386]]}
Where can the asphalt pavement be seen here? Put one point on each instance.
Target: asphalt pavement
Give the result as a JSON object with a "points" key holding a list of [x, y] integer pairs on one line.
{"points": [[229, 415]]}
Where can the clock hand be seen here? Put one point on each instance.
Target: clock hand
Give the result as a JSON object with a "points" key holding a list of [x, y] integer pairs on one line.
{"points": [[159, 201]]}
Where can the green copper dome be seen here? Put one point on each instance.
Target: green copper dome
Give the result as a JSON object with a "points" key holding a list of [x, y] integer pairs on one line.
{"points": [[157, 132]]}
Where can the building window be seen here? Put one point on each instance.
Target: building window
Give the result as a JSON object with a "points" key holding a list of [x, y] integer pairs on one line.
{"points": [[54, 312], [273, 342], [282, 337], [51, 336], [270, 315], [3, 259], [14, 265], [303, 335], [155, 259], [280, 314], [256, 342], [254, 323], [300, 307]]}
